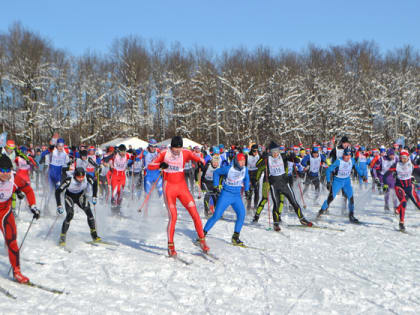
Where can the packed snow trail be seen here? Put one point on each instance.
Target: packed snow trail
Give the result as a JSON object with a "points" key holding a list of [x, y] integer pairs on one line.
{"points": [[370, 269]]}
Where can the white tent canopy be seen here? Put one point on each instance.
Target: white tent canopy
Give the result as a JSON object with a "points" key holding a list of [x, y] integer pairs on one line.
{"points": [[133, 141], [186, 142]]}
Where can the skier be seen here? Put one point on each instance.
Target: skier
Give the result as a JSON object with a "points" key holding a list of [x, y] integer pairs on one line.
{"points": [[151, 176], [75, 193], [386, 162], [118, 163], [172, 161], [10, 183], [23, 167], [137, 175], [404, 187], [416, 162], [251, 163], [235, 175], [341, 169], [104, 179], [210, 197], [57, 159], [362, 163], [312, 164], [277, 176]]}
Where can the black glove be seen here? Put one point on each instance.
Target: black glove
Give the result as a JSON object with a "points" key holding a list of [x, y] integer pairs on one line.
{"points": [[364, 178], [329, 185], [36, 212], [216, 190], [164, 165], [20, 194], [248, 194], [377, 180]]}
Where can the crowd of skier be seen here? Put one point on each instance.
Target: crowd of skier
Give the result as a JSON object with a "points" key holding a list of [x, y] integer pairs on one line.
{"points": [[243, 177]]}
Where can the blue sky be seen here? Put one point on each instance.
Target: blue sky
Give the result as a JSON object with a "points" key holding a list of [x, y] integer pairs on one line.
{"points": [[77, 25]]}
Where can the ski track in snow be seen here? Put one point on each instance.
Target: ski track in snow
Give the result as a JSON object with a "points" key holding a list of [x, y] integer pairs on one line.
{"points": [[364, 270]]}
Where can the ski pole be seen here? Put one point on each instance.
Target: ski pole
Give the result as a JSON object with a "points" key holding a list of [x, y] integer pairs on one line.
{"points": [[301, 194], [23, 240], [132, 181], [268, 193], [148, 195]]}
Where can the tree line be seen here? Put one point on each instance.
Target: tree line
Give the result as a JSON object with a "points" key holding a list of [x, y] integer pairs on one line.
{"points": [[150, 89]]}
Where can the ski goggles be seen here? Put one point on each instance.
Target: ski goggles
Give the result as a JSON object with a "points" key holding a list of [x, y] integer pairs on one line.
{"points": [[5, 170]]}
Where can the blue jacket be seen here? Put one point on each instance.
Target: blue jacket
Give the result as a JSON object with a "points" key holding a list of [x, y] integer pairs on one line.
{"points": [[336, 165], [224, 171]]}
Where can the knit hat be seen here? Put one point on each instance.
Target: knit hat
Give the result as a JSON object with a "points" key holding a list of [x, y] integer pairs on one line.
{"points": [[272, 146], [176, 142], [5, 162], [240, 157]]}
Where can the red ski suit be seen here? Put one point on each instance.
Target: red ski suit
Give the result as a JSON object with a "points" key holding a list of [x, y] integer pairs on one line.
{"points": [[23, 167], [118, 165], [174, 186], [7, 219]]}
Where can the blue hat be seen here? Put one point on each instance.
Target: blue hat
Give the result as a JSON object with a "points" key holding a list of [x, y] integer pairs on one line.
{"points": [[362, 148], [382, 150], [315, 150], [347, 151], [216, 150], [221, 146], [61, 140], [152, 143], [138, 152], [23, 149]]}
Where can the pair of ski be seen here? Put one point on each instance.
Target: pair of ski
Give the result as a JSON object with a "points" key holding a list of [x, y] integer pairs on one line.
{"points": [[205, 255], [33, 285], [106, 244]]}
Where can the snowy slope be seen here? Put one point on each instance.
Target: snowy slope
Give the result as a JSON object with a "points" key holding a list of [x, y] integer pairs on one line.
{"points": [[365, 269]]}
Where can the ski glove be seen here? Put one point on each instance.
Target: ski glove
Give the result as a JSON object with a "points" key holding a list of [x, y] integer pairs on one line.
{"points": [[377, 180], [164, 165], [35, 211], [365, 179], [248, 194], [329, 185], [60, 210], [94, 200], [216, 190], [20, 194]]}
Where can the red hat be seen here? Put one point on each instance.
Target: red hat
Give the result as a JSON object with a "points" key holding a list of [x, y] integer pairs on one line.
{"points": [[240, 157], [10, 144], [92, 148], [404, 152]]}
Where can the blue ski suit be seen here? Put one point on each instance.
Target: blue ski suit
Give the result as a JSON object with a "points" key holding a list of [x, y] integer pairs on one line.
{"points": [[235, 177]]}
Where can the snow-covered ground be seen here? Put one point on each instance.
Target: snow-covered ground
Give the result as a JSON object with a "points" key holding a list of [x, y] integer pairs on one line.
{"points": [[364, 270]]}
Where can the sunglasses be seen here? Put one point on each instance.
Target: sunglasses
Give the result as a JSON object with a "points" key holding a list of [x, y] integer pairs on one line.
{"points": [[5, 170]]}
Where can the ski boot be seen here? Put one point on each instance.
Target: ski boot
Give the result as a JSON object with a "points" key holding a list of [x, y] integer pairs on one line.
{"points": [[62, 240], [256, 218], [203, 244], [95, 236], [171, 250], [321, 212], [402, 227], [276, 227], [236, 241], [353, 219], [303, 221], [18, 276]]}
